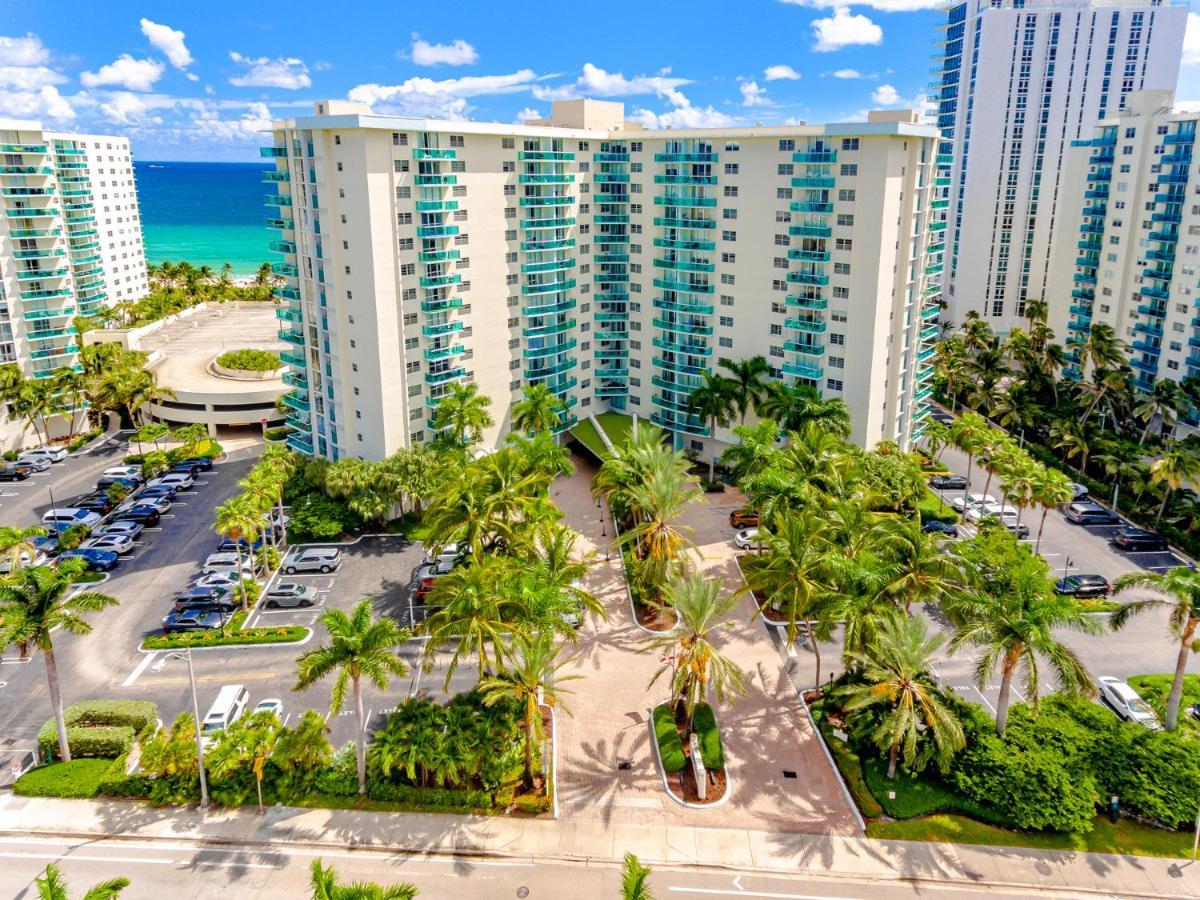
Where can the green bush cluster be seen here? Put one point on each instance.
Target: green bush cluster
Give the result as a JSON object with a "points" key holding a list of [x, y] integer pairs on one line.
{"points": [[277, 434], [850, 767], [249, 360], [932, 509], [431, 798], [98, 728], [79, 778], [286, 634], [82, 440], [711, 750], [316, 517], [670, 745]]}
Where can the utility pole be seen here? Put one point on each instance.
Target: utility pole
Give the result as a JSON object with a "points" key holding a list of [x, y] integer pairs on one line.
{"points": [[199, 736]]}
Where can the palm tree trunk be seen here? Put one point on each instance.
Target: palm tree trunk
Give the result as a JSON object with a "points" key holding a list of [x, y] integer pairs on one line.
{"points": [[360, 739], [1010, 666], [812, 642], [1163, 506], [60, 723], [242, 578], [258, 784], [893, 755], [1176, 695], [529, 754]]}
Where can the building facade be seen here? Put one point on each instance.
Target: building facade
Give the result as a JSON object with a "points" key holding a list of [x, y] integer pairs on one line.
{"points": [[1016, 81], [1128, 250], [70, 239], [613, 264]]}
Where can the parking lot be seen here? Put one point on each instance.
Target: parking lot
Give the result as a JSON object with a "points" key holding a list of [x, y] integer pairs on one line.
{"points": [[22, 503]]}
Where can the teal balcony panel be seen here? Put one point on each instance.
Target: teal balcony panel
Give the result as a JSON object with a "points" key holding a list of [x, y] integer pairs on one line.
{"points": [[549, 265], [685, 157], [800, 369], [684, 287], [548, 287], [688, 244], [685, 179], [546, 178], [811, 182], [802, 302], [684, 201], [276, 177], [433, 256], [809, 326], [550, 349], [547, 200], [445, 375], [545, 156], [277, 200], [685, 265], [436, 205], [443, 305], [811, 206], [436, 231], [688, 327], [434, 353], [565, 304], [672, 422], [433, 281], [809, 230], [683, 306], [551, 328], [544, 223], [810, 255], [815, 157], [283, 246], [433, 153], [548, 371], [684, 222], [685, 347], [434, 180]]}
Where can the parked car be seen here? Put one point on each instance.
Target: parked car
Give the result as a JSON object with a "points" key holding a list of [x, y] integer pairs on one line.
{"points": [[940, 415], [17, 471], [47, 544], [194, 620], [449, 552], [101, 503], [117, 543], [1081, 492], [104, 482], [191, 469], [933, 526], [204, 463], [312, 559], [980, 511], [63, 518], [133, 473], [289, 594], [130, 530], [37, 463], [232, 546], [226, 709], [272, 705], [37, 558], [966, 502], [746, 538], [744, 518], [1085, 512], [226, 580], [1136, 540], [160, 504], [97, 560], [1083, 586], [948, 482], [159, 492], [1126, 703], [179, 480], [54, 454], [213, 604], [199, 595], [143, 515], [230, 563]]}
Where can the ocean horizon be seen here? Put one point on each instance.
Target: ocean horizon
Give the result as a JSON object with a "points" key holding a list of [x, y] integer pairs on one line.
{"points": [[206, 213]]}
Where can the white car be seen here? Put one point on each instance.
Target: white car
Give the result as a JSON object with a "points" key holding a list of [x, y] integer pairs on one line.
{"points": [[963, 503], [1126, 702], [228, 563], [54, 454], [218, 580], [746, 538], [6, 561], [134, 472], [38, 462], [999, 510], [63, 518], [271, 705], [129, 529], [181, 481], [162, 504], [117, 543]]}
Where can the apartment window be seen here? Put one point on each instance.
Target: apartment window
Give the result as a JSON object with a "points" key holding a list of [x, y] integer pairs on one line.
{"points": [[635, 167], [841, 293], [833, 384], [508, 144], [787, 145], [510, 190], [841, 268], [837, 338], [837, 362], [844, 244], [399, 139], [458, 190], [783, 193], [786, 169], [508, 166], [409, 294], [725, 342], [511, 278], [782, 215], [415, 390], [411, 343], [510, 257], [779, 285], [635, 147], [729, 235], [337, 138], [726, 321], [731, 190], [781, 262], [456, 140], [849, 143], [731, 168], [729, 214], [403, 193], [782, 240], [732, 147], [849, 169], [408, 269], [404, 218], [729, 257], [846, 219], [776, 329], [583, 145], [400, 165], [846, 194], [726, 300]]}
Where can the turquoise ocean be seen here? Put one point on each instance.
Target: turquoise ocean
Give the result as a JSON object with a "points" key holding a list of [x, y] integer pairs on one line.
{"points": [[206, 213]]}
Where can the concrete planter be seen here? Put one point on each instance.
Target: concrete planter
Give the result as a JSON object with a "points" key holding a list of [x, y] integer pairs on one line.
{"points": [[716, 804], [243, 374]]}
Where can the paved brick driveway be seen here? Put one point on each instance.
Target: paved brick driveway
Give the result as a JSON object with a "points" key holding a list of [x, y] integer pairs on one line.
{"points": [[765, 733]]}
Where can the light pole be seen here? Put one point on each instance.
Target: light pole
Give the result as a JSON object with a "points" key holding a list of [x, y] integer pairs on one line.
{"points": [[199, 737]]}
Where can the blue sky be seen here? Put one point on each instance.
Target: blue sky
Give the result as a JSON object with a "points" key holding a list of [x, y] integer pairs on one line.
{"points": [[198, 81]]}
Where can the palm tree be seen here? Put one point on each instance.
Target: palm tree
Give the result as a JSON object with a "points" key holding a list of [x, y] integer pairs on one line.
{"points": [[713, 401], [463, 413], [360, 646], [793, 407], [915, 567], [325, 887], [474, 613], [757, 446], [1179, 465], [1050, 488], [539, 411], [1179, 591], [634, 877], [52, 886], [1015, 628], [748, 387], [249, 741], [1163, 403], [695, 664], [236, 520], [34, 603], [531, 680], [1018, 483], [1036, 311], [18, 543], [968, 433], [894, 673]]}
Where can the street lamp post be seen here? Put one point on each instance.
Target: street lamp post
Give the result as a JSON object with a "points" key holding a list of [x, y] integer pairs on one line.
{"points": [[199, 736]]}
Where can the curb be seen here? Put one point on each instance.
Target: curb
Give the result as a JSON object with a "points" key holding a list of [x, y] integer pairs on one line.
{"points": [[629, 589], [569, 858]]}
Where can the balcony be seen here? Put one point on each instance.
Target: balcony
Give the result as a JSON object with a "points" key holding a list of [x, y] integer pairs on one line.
{"points": [[37, 274], [684, 287], [445, 375], [1157, 274], [550, 265], [434, 180], [549, 350], [31, 212], [609, 178], [611, 157], [433, 256], [681, 265], [675, 422], [436, 231], [682, 368], [548, 287], [544, 223], [546, 178], [294, 359], [697, 328], [815, 303], [295, 338], [27, 294], [549, 330], [298, 400], [682, 306], [441, 328], [545, 156], [41, 314], [684, 201], [565, 304], [809, 255], [283, 246], [432, 153], [287, 270], [809, 326], [277, 200], [38, 254], [276, 177], [804, 349], [433, 281], [818, 231], [549, 371], [436, 205], [443, 305], [687, 348], [815, 157], [685, 157], [684, 179], [281, 224], [810, 278], [547, 200], [436, 353], [680, 244], [800, 369], [684, 222], [811, 206], [810, 182]]}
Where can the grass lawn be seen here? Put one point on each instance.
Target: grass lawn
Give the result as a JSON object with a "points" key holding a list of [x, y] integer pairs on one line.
{"points": [[1154, 690], [77, 778], [1125, 837], [618, 425]]}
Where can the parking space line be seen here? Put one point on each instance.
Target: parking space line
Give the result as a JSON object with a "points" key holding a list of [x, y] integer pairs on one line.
{"points": [[138, 670], [985, 700]]}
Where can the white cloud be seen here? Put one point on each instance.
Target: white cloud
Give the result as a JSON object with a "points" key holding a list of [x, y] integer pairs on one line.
{"points": [[844, 29], [528, 113], [22, 51], [881, 5], [776, 73], [456, 53], [886, 95], [170, 41], [847, 73], [288, 73], [46, 103], [125, 108], [249, 127], [753, 95], [439, 99], [561, 92], [29, 78], [1191, 40], [684, 117], [127, 72], [595, 80]]}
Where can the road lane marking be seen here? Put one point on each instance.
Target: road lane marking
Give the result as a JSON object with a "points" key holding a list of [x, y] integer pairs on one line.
{"points": [[248, 676], [138, 670]]}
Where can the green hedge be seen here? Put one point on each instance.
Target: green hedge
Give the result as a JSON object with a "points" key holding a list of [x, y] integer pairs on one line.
{"points": [[931, 509], [137, 714], [445, 799], [850, 767], [287, 634], [711, 750], [82, 440], [79, 778], [250, 360], [105, 742], [670, 745], [277, 434]]}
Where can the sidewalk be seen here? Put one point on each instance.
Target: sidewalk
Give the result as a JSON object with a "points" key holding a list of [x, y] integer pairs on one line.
{"points": [[542, 839]]}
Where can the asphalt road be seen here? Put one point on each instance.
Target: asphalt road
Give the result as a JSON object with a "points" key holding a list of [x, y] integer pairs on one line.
{"points": [[188, 870], [22, 503]]}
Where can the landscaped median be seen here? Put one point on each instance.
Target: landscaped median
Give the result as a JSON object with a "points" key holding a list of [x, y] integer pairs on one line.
{"points": [[232, 635], [675, 757]]}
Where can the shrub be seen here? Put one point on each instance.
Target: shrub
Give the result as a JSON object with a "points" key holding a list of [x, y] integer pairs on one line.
{"points": [[82, 440], [137, 714], [670, 746], [429, 798], [712, 487], [318, 518], [932, 509], [250, 360], [134, 786], [850, 767], [711, 750], [284, 634], [104, 741], [79, 778], [73, 536], [277, 434]]}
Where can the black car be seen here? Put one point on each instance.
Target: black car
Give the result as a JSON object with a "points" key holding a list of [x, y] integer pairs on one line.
{"points": [[103, 484], [98, 502], [948, 482], [15, 472], [160, 490], [233, 546], [201, 463], [933, 526], [198, 596], [144, 515], [1135, 540], [215, 604], [1083, 586], [186, 468]]}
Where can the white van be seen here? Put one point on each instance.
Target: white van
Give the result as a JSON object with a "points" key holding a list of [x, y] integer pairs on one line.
{"points": [[226, 709], [62, 519]]}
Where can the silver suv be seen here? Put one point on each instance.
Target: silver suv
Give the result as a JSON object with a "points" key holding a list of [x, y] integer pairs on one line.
{"points": [[312, 559]]}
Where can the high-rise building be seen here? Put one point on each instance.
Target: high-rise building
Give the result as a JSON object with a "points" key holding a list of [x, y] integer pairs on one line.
{"points": [[1016, 81], [70, 239], [1128, 246], [613, 264]]}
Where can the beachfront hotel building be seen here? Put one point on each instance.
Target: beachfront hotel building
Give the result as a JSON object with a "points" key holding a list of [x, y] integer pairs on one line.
{"points": [[613, 264], [1128, 247], [1015, 82], [70, 239]]}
